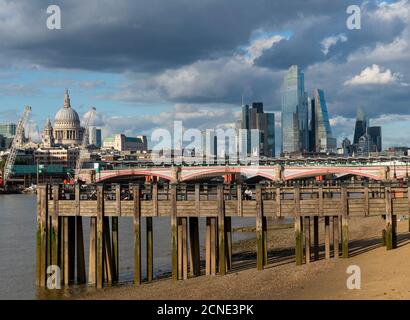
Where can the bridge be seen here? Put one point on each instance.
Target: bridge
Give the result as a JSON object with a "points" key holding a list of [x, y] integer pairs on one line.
{"points": [[276, 170]]}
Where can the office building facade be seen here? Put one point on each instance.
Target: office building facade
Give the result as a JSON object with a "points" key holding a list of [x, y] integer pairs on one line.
{"points": [[295, 135]]}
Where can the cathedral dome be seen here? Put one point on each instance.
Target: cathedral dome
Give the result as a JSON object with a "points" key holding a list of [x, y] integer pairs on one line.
{"points": [[67, 115], [67, 125]]}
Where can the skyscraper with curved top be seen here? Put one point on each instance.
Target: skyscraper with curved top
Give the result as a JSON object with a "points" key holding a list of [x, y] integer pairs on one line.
{"points": [[323, 138], [295, 132]]}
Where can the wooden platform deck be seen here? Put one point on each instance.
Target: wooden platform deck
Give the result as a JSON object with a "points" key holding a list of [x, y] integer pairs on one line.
{"points": [[60, 210]]}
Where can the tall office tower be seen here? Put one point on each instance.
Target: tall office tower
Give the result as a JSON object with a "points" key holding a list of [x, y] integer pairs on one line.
{"points": [[94, 137], [375, 134], [256, 118], [312, 137], [360, 126], [323, 138], [295, 134]]}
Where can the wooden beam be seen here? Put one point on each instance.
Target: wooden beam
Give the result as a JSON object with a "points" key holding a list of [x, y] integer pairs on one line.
{"points": [[92, 262], [150, 249], [239, 199], [80, 257]]}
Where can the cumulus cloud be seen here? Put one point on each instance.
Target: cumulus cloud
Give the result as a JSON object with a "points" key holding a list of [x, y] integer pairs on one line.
{"points": [[373, 75], [328, 42]]}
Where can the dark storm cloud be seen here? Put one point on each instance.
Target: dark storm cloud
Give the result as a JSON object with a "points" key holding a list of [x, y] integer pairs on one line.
{"points": [[145, 34]]}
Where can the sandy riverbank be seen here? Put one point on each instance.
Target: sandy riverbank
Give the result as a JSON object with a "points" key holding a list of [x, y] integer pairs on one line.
{"points": [[384, 273]]}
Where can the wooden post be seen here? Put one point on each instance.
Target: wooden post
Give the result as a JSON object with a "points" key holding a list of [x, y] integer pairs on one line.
{"points": [[197, 200], [180, 249], [316, 237], [278, 202], [55, 228], [42, 236], [298, 228], [92, 263], [184, 241], [389, 219], [221, 229], [150, 249], [174, 232], [155, 199], [108, 260], [336, 236], [213, 245], [327, 237], [195, 258], [345, 223], [137, 234], [208, 247], [239, 198], [307, 239], [228, 236], [81, 278], [260, 247], [100, 238], [114, 238], [66, 251], [366, 200]]}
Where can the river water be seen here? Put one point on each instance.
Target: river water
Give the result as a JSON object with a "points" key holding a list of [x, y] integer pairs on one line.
{"points": [[17, 248]]}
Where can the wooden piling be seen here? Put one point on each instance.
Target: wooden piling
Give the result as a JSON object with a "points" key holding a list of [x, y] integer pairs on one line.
{"points": [[55, 228], [345, 223], [108, 260], [80, 258], [136, 193], [316, 238], [221, 230], [213, 245], [208, 246], [114, 236], [228, 237], [92, 261], [389, 219], [42, 236], [260, 252], [100, 237], [307, 239], [174, 232], [327, 237], [150, 249], [298, 228], [336, 231], [194, 257], [184, 241]]}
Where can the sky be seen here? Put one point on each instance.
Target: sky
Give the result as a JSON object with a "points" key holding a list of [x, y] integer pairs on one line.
{"points": [[145, 63]]}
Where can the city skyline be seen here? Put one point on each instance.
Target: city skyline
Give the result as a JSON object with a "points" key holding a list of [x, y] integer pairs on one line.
{"points": [[203, 84]]}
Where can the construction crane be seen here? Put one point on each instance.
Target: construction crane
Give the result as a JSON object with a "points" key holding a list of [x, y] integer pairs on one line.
{"points": [[84, 144], [15, 145]]}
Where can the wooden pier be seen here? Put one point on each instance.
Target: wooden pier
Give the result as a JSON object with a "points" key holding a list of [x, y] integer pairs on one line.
{"points": [[60, 210]]}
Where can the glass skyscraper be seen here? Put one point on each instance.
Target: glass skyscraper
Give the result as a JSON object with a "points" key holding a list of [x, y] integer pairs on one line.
{"points": [[295, 131], [320, 125]]}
